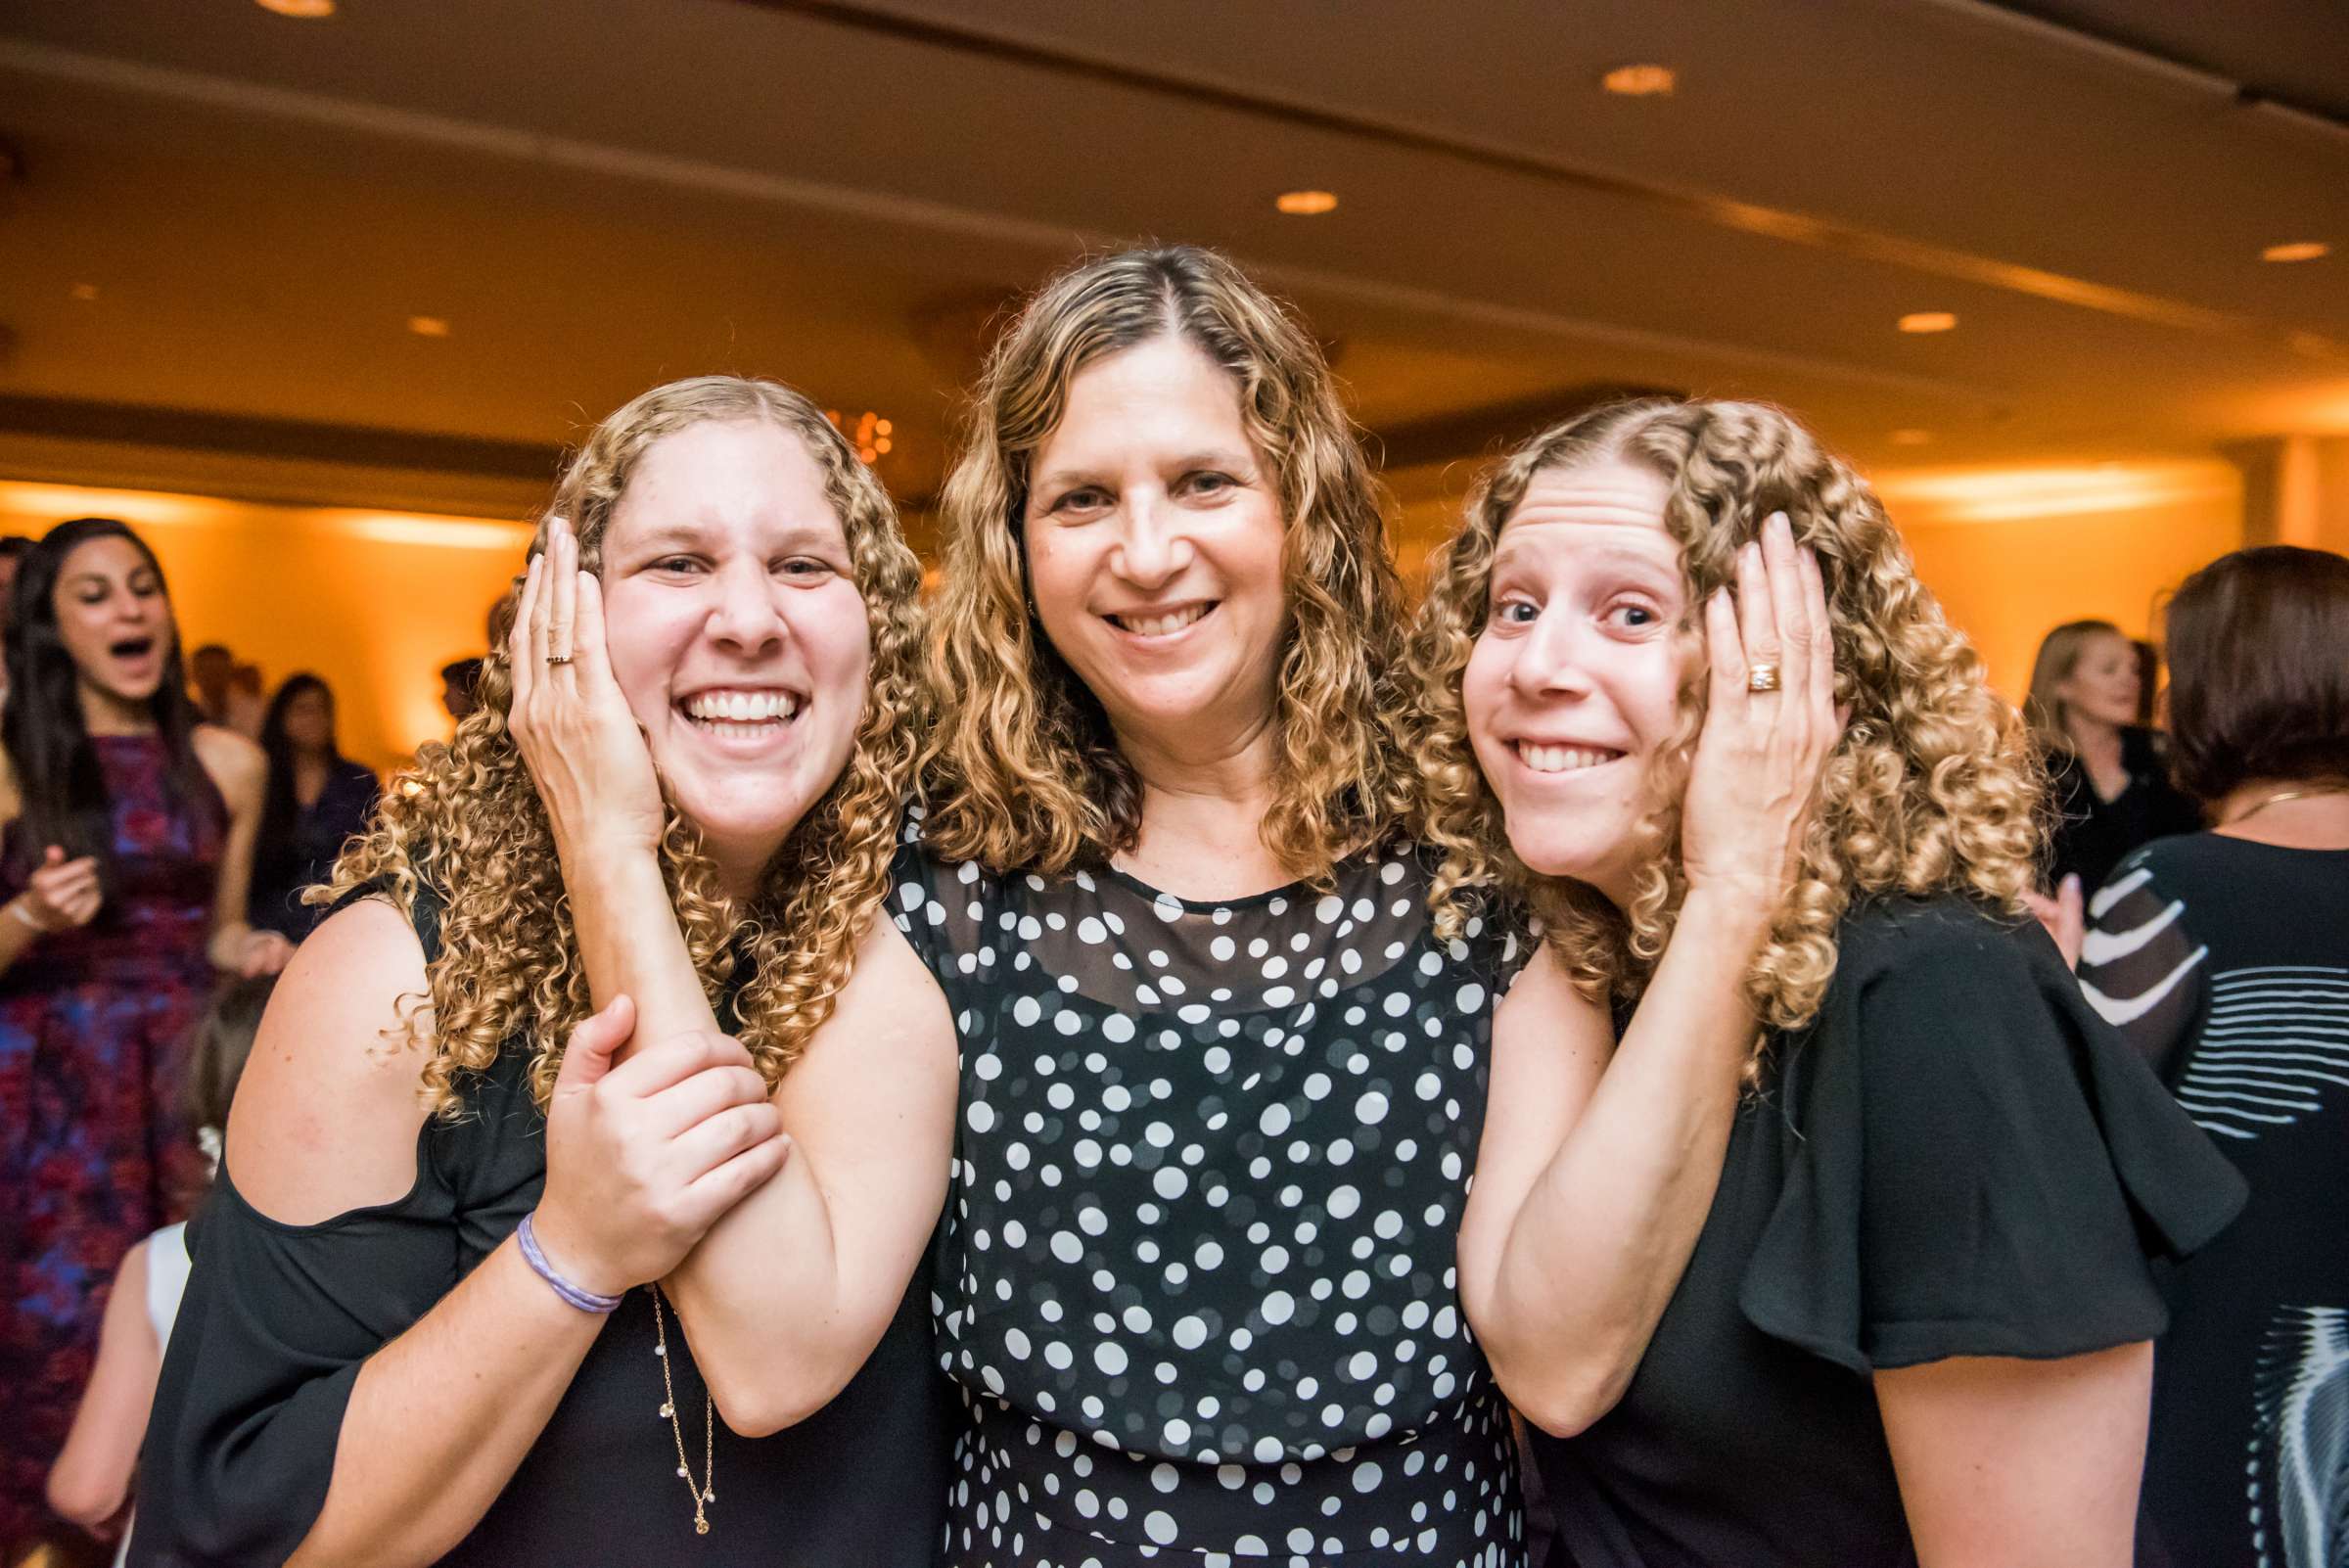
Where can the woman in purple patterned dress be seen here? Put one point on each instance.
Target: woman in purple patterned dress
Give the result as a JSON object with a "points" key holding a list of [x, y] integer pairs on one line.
{"points": [[124, 857]]}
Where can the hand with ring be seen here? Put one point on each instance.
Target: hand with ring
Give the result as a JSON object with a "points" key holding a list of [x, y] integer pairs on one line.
{"points": [[584, 749], [1769, 722]]}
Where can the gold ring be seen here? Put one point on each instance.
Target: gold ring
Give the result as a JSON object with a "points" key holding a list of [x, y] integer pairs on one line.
{"points": [[558, 659], [1761, 678]]}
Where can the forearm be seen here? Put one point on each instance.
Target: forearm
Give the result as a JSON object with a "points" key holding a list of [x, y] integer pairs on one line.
{"points": [[17, 933], [762, 1296], [439, 1418], [769, 1309], [631, 941], [1599, 1246]]}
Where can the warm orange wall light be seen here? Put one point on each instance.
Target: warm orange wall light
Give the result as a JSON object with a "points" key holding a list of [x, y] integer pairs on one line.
{"points": [[2013, 553], [375, 602]]}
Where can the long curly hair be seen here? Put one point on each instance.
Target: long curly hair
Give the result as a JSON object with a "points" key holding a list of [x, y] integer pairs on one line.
{"points": [[1023, 771], [1931, 788], [468, 824]]}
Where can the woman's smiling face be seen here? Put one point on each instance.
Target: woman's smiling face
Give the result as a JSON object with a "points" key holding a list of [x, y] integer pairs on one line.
{"points": [[735, 627], [1573, 684], [1154, 542]]}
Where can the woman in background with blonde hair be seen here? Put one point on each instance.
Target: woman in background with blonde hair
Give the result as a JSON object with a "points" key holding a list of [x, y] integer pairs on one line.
{"points": [[415, 1332], [1916, 1325], [2108, 779]]}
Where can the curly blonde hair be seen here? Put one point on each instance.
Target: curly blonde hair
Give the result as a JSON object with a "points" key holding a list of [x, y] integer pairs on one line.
{"points": [[1023, 771], [468, 825], [1931, 788]]}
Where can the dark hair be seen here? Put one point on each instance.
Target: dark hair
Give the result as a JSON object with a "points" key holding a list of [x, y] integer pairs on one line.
{"points": [[465, 674], [2259, 670], [273, 851], [218, 1045], [13, 545], [41, 728]]}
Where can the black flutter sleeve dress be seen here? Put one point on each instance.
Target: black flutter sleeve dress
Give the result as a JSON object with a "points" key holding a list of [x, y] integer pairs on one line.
{"points": [[278, 1320], [1958, 1158]]}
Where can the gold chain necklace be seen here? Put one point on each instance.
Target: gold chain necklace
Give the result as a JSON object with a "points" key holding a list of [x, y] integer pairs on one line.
{"points": [[706, 1491], [2282, 796]]}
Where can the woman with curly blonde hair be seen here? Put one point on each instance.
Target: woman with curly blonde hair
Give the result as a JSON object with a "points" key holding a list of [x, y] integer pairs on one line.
{"points": [[414, 1332], [1916, 1325], [1220, 1081]]}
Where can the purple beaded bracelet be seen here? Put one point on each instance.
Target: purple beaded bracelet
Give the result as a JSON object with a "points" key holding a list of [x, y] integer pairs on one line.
{"points": [[587, 1301]]}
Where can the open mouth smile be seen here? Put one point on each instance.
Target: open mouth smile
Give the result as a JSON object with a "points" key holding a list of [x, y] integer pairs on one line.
{"points": [[1546, 759], [1162, 623], [737, 711]]}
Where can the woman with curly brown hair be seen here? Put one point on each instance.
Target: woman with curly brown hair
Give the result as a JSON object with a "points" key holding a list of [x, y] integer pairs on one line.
{"points": [[1916, 1325], [1222, 1082], [415, 1331]]}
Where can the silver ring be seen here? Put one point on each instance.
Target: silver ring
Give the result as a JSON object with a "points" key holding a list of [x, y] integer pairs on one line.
{"points": [[1761, 678]]}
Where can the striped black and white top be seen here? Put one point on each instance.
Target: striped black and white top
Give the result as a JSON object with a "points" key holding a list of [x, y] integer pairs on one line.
{"points": [[2226, 962]]}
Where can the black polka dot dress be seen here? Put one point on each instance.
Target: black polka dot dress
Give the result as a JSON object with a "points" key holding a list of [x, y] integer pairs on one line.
{"points": [[1195, 1282]]}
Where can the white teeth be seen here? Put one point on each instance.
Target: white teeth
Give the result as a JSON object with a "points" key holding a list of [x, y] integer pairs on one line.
{"points": [[1161, 626], [1560, 758], [743, 706]]}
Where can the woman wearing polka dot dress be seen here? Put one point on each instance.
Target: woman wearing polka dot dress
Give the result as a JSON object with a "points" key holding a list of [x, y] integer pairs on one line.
{"points": [[1915, 1326], [1222, 1089]]}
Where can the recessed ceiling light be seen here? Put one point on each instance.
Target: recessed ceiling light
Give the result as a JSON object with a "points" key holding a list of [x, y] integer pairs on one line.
{"points": [[1927, 321], [84, 292], [300, 10], [1640, 81], [2297, 250], [1912, 437], [429, 325], [1305, 204]]}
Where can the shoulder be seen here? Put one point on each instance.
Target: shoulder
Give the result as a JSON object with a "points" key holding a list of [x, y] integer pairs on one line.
{"points": [[130, 1278], [326, 1116], [237, 765], [1931, 989], [1946, 936]]}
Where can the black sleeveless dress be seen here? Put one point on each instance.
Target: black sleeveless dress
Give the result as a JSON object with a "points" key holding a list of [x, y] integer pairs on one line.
{"points": [[278, 1319], [1195, 1282]]}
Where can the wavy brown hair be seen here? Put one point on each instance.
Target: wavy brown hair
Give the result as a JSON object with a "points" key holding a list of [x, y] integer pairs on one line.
{"points": [[468, 825], [1931, 788], [1023, 771]]}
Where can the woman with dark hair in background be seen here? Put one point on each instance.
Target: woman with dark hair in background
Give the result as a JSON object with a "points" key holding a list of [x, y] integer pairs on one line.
{"points": [[127, 847], [316, 799], [2109, 786], [2224, 956]]}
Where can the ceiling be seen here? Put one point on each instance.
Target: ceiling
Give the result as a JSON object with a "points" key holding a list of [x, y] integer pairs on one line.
{"points": [[223, 220]]}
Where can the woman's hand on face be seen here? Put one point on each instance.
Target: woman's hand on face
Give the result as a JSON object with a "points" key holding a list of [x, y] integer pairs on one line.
{"points": [[61, 893], [584, 750], [643, 1158], [1755, 777]]}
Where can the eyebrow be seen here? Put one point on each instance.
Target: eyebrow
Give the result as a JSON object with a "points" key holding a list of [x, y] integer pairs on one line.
{"points": [[1223, 457], [687, 535]]}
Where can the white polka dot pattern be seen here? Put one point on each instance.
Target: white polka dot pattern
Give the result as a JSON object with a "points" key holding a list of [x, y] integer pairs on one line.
{"points": [[1196, 1276]]}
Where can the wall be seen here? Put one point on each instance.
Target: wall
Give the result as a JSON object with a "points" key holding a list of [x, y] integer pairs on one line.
{"points": [[376, 602], [2013, 553]]}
